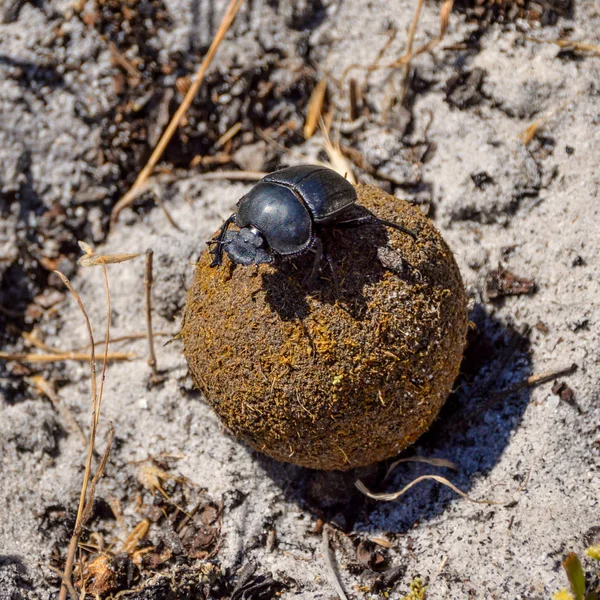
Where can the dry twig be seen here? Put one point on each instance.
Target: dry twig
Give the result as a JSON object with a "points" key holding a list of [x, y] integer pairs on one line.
{"points": [[331, 566], [139, 183], [353, 99], [148, 280], [531, 381], [65, 582]]}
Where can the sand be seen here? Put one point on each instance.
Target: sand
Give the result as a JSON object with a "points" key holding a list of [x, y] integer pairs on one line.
{"points": [[535, 213]]}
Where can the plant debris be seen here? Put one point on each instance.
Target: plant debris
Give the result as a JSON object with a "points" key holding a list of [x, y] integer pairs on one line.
{"points": [[501, 282], [565, 393], [370, 556], [177, 524]]}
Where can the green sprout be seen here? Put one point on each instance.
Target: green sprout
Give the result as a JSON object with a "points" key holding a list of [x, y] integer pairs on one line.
{"points": [[580, 590]]}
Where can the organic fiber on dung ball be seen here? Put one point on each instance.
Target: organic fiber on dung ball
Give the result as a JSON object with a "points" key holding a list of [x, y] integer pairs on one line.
{"points": [[332, 381]]}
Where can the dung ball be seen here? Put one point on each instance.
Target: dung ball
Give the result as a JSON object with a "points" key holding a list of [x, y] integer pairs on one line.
{"points": [[326, 378]]}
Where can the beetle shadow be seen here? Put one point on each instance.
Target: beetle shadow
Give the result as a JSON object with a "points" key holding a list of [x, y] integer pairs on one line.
{"points": [[472, 430], [355, 255]]}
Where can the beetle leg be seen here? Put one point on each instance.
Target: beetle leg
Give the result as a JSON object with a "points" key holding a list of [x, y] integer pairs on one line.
{"points": [[312, 277], [336, 285], [218, 240], [373, 220]]}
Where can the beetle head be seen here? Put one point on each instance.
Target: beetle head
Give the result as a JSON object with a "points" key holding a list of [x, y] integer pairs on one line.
{"points": [[246, 247]]}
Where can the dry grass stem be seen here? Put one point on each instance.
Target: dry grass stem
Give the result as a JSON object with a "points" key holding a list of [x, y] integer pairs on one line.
{"points": [[229, 134], [126, 338], [209, 161], [168, 215], [234, 175], [82, 513], [120, 59], [534, 380], [107, 338], [409, 44], [88, 465], [374, 65], [148, 280], [91, 259], [139, 184], [407, 57], [315, 108], [385, 47], [528, 134], [69, 585], [445, 12], [339, 162], [92, 356], [31, 357], [580, 47], [31, 337], [395, 495], [329, 561], [87, 511]]}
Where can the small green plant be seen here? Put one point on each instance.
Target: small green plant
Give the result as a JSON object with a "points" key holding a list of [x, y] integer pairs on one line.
{"points": [[417, 590], [580, 590]]}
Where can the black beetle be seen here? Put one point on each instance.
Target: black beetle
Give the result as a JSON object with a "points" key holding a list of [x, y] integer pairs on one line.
{"points": [[284, 213]]}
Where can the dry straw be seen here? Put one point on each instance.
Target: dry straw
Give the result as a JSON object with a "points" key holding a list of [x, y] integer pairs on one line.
{"points": [[86, 498], [140, 182]]}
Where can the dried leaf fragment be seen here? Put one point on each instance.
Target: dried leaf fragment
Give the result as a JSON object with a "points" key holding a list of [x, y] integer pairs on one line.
{"points": [[102, 576], [315, 108], [564, 392]]}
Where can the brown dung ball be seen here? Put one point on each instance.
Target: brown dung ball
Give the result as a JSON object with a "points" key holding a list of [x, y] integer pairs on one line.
{"points": [[332, 381]]}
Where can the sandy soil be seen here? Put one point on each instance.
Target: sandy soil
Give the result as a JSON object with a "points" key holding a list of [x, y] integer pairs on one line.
{"points": [[532, 210]]}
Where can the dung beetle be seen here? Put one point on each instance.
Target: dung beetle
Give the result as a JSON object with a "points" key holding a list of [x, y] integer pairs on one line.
{"points": [[284, 214]]}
